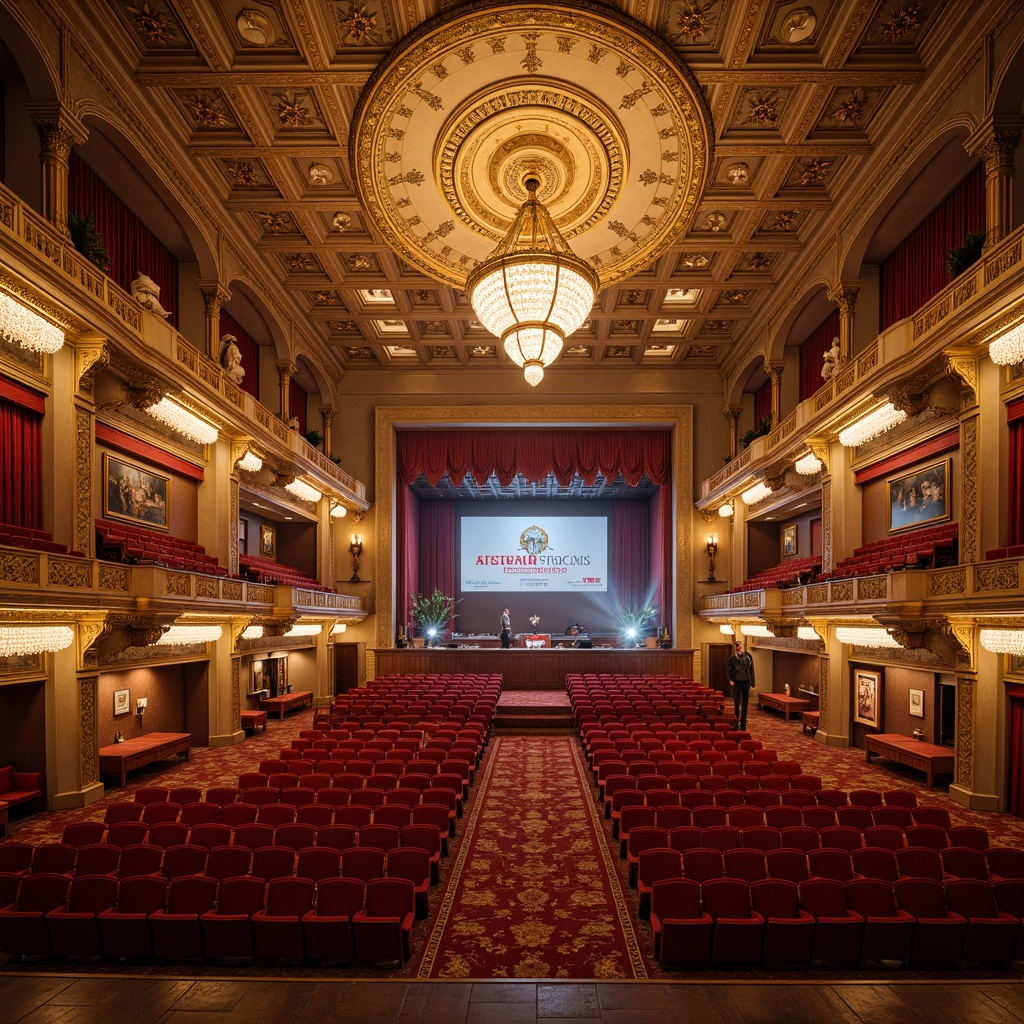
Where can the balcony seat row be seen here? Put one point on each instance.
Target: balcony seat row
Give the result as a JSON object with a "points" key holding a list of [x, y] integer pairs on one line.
{"points": [[920, 549], [790, 573], [122, 542], [276, 574], [33, 540]]}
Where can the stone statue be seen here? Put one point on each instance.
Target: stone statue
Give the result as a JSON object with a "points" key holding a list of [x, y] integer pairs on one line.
{"points": [[293, 423], [147, 292], [231, 359], [831, 361]]}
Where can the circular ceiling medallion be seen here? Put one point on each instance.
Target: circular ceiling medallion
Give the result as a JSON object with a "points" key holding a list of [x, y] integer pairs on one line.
{"points": [[576, 95]]}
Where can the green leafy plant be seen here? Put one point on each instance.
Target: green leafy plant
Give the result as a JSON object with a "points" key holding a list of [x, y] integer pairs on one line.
{"points": [[961, 257], [763, 428], [314, 437], [88, 241], [431, 614]]}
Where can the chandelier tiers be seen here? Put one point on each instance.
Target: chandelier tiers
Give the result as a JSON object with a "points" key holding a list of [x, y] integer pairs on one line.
{"points": [[532, 291]]}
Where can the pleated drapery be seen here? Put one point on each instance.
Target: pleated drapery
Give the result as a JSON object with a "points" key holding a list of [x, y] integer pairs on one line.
{"points": [[133, 249], [916, 269], [812, 351], [1015, 751], [249, 351], [437, 549], [534, 453], [21, 465], [1015, 476], [297, 404]]}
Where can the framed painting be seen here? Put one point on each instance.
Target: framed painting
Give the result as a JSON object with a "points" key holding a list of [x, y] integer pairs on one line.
{"points": [[917, 703], [122, 702], [268, 541], [867, 695], [920, 497], [789, 540], [257, 680], [135, 494]]}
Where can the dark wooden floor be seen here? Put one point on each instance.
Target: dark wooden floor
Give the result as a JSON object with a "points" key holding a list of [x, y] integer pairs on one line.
{"points": [[135, 1000]]}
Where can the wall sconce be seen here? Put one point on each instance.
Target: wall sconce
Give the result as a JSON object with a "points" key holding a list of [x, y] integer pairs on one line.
{"points": [[712, 550], [355, 550], [725, 510], [140, 706]]}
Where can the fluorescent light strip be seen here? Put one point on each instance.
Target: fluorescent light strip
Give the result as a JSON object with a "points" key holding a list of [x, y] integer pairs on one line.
{"points": [[305, 629], [761, 631]]}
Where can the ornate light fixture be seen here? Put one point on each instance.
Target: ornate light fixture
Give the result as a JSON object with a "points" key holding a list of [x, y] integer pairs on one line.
{"points": [[303, 491], [712, 549], [875, 423], [355, 549], [808, 464], [190, 635], [179, 419], [338, 511], [339, 628], [761, 631], [16, 641], [725, 510], [807, 633], [1002, 641], [21, 326], [252, 633], [866, 636], [726, 630], [1008, 350], [250, 462], [532, 291], [305, 629], [757, 493]]}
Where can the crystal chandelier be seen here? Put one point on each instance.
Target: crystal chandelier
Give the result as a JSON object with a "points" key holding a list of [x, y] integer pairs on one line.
{"points": [[179, 419], [878, 422], [532, 291], [762, 631], [301, 490], [808, 465], [21, 326], [866, 636], [186, 634], [1002, 641], [1008, 350], [16, 641], [757, 493], [305, 629]]}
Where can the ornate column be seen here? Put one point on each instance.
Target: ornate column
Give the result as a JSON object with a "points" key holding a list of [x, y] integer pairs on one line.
{"points": [[285, 369], [973, 426], [59, 131], [844, 295], [327, 413], [214, 296], [733, 415], [995, 142], [774, 371]]}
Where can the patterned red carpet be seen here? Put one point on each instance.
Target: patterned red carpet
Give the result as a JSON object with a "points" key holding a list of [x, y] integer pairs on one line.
{"points": [[534, 892], [533, 699]]}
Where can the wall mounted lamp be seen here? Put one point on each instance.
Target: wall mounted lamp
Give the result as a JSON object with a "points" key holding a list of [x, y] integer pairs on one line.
{"points": [[712, 549], [356, 550]]}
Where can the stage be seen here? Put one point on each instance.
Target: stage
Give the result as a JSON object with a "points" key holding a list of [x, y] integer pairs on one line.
{"points": [[535, 669]]}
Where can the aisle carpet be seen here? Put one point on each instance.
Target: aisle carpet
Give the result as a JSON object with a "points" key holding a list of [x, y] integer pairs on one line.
{"points": [[534, 892]]}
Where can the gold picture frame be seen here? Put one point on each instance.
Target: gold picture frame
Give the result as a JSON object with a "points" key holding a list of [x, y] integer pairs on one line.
{"points": [[789, 540], [122, 702], [921, 497], [268, 541], [135, 494], [867, 698]]}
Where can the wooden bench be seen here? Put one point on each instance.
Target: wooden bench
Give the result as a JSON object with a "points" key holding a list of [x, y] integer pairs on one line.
{"points": [[287, 702], [926, 757], [253, 720], [782, 702], [810, 721], [121, 758]]}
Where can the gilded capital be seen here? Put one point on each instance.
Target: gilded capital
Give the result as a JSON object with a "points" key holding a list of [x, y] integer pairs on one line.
{"points": [[214, 296]]}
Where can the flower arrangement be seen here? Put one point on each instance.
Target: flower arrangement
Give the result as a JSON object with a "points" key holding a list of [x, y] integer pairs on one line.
{"points": [[534, 621], [432, 613]]}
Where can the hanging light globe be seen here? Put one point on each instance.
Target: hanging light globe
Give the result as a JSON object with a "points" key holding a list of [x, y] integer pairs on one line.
{"points": [[532, 291]]}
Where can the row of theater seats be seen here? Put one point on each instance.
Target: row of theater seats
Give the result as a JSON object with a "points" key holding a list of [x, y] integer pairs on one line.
{"points": [[919, 549], [789, 573], [123, 542], [34, 540], [200, 917], [276, 574], [821, 919]]}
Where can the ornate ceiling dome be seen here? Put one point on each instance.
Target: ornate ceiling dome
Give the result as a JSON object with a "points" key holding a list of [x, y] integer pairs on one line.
{"points": [[576, 96]]}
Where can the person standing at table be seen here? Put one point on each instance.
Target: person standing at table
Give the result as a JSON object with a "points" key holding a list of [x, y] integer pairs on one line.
{"points": [[505, 628], [740, 670]]}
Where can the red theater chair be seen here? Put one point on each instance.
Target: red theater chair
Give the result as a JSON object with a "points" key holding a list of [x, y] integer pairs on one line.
{"points": [[383, 929], [83, 833], [428, 838], [176, 930], [276, 929], [413, 864], [682, 931], [788, 931], [875, 862], [939, 933], [227, 928], [227, 862], [327, 929], [991, 933], [654, 864], [185, 859], [270, 862], [888, 931], [750, 865], [838, 930], [317, 863], [53, 859], [98, 859], [125, 927], [73, 930], [737, 929], [23, 930]]}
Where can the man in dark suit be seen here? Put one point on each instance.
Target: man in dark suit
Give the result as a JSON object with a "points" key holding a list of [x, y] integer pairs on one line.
{"points": [[740, 670], [506, 629]]}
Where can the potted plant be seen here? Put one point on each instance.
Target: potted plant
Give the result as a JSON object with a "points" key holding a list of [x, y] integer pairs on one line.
{"points": [[761, 430], [432, 614], [88, 241], [314, 437], [633, 623], [961, 257]]}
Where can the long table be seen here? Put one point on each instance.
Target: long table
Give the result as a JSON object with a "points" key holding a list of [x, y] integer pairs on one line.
{"points": [[782, 702], [287, 702], [926, 757], [121, 758], [535, 669]]}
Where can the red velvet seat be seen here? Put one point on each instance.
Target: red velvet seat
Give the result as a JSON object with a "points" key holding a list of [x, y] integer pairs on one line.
{"points": [[175, 928], [276, 928], [888, 930], [227, 862], [253, 835], [875, 862], [54, 859], [789, 930], [640, 839], [1004, 862], [427, 838], [991, 933], [73, 929], [838, 930], [682, 931], [747, 864], [226, 928], [270, 862], [414, 864], [781, 815], [939, 932], [964, 862], [703, 864], [653, 864], [819, 816], [123, 811], [737, 929], [338, 837], [829, 862], [23, 930], [82, 833], [140, 859], [383, 929], [363, 862], [327, 929], [125, 927]]}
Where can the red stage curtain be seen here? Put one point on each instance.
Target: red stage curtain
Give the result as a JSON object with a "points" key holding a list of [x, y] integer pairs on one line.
{"points": [[763, 403], [249, 351], [631, 565], [437, 548], [1015, 501], [407, 555], [21, 466], [297, 404], [131, 246], [818, 342], [534, 453], [1015, 748], [661, 550], [916, 269]]}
